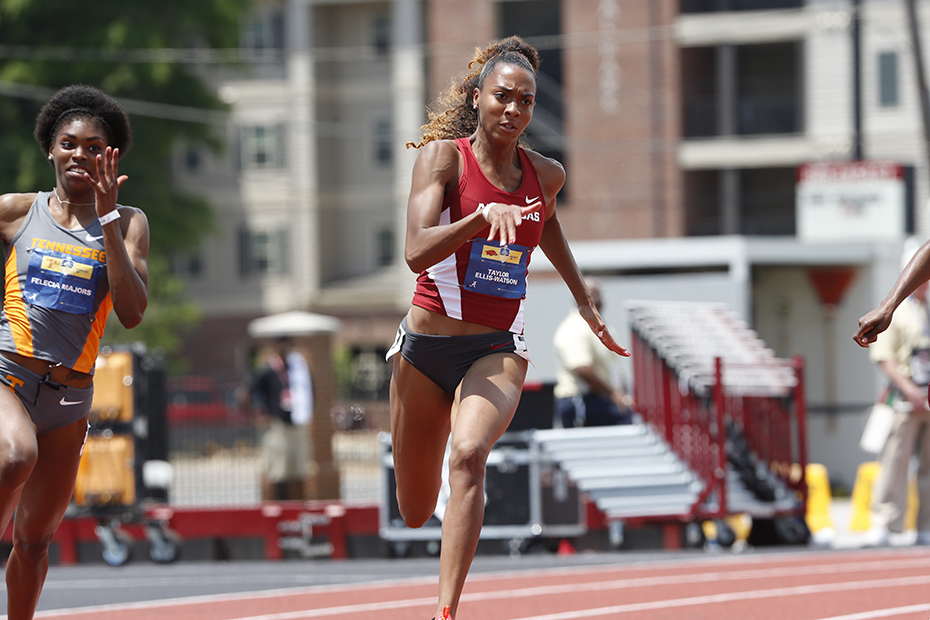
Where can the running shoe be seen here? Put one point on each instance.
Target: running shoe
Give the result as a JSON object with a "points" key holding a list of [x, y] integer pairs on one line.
{"points": [[446, 614], [876, 536]]}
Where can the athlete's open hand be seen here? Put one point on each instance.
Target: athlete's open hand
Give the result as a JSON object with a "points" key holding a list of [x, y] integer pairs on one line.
{"points": [[505, 218], [106, 185], [597, 325]]}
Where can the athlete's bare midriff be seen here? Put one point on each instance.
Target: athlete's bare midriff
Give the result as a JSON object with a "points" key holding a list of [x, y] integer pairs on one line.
{"points": [[423, 321], [57, 374]]}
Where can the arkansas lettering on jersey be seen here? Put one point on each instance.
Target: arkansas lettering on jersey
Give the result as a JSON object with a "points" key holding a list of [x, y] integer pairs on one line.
{"points": [[484, 282]]}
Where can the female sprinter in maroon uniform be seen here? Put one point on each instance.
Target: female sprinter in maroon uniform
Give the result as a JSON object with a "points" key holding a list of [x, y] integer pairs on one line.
{"points": [[479, 206]]}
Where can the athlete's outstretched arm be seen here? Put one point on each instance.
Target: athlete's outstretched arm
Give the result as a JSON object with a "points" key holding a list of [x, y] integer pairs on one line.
{"points": [[126, 241], [915, 273], [555, 245], [127, 265]]}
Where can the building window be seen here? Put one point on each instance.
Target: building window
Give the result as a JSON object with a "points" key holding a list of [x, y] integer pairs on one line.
{"points": [[261, 147], [711, 6], [264, 31], [188, 265], [192, 159], [263, 252], [385, 245], [194, 265], [381, 32], [384, 138], [766, 88], [541, 18], [888, 79]]}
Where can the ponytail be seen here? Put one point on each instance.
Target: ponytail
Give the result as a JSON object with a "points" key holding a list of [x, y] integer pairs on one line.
{"points": [[453, 115]]}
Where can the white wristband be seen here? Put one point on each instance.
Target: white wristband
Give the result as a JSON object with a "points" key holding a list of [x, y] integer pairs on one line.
{"points": [[484, 210], [106, 218]]}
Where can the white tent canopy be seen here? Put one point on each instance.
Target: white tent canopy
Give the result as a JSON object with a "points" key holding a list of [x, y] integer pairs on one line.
{"points": [[295, 323]]}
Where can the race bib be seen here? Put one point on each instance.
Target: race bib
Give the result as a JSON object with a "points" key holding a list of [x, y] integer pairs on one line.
{"points": [[497, 270], [61, 282]]}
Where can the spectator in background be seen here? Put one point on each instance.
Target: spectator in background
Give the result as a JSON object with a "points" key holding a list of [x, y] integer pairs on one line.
{"points": [[281, 397], [903, 354], [585, 391]]}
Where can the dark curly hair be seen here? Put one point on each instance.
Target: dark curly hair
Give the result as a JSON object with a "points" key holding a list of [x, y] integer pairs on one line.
{"points": [[453, 115], [87, 102]]}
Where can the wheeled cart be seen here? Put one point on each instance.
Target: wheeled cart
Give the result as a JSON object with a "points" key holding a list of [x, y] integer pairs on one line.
{"points": [[125, 429], [528, 498]]}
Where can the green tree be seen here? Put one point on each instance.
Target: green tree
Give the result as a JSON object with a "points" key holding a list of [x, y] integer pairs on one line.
{"points": [[124, 49]]}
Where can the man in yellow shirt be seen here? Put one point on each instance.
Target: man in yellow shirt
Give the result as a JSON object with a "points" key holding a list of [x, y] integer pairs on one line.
{"points": [[585, 390], [903, 354]]}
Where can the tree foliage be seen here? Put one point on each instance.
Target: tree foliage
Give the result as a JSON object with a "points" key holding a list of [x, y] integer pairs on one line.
{"points": [[54, 43]]}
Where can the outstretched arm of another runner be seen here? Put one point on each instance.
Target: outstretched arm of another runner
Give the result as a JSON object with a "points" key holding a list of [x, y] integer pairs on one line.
{"points": [[915, 273]]}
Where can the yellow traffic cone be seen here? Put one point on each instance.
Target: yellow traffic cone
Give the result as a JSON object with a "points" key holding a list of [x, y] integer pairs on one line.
{"points": [[819, 497]]}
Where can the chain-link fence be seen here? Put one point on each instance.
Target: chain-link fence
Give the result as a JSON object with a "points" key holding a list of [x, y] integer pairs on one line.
{"points": [[215, 453]]}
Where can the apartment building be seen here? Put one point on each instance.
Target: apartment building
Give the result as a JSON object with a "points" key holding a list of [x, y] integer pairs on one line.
{"points": [[309, 194], [682, 125]]}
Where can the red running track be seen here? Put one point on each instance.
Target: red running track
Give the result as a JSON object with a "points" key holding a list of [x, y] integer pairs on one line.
{"points": [[849, 585]]}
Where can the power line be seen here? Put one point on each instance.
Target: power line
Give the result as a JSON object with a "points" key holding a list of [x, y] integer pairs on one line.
{"points": [[326, 54], [141, 55], [132, 106]]}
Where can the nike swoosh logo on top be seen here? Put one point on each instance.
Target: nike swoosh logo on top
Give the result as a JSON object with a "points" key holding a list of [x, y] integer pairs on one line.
{"points": [[530, 201], [65, 402], [91, 238], [499, 346]]}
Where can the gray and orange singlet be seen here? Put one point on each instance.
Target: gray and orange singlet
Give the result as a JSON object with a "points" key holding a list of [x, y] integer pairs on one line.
{"points": [[56, 296]]}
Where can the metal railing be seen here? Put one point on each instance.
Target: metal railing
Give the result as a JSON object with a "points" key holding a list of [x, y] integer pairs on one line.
{"points": [[722, 402]]}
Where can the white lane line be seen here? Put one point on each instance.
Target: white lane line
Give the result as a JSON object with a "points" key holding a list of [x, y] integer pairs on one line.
{"points": [[731, 597], [298, 582], [882, 613], [755, 573], [618, 584]]}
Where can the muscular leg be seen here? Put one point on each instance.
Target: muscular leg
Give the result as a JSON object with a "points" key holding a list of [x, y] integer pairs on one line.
{"points": [[42, 505], [485, 404], [18, 453], [420, 423]]}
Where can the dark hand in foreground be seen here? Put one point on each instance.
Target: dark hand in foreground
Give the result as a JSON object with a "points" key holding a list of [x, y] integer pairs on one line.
{"points": [[871, 325]]}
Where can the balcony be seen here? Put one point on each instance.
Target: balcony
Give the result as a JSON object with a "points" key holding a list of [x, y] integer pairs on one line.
{"points": [[742, 90], [715, 6], [756, 115]]}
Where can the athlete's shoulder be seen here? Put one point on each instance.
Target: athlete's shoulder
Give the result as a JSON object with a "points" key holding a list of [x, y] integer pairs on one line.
{"points": [[440, 150], [14, 206], [439, 161], [125, 210], [550, 171], [133, 222], [13, 211]]}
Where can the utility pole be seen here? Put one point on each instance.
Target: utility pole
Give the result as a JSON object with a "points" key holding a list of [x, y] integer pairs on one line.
{"points": [[914, 27], [857, 78]]}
